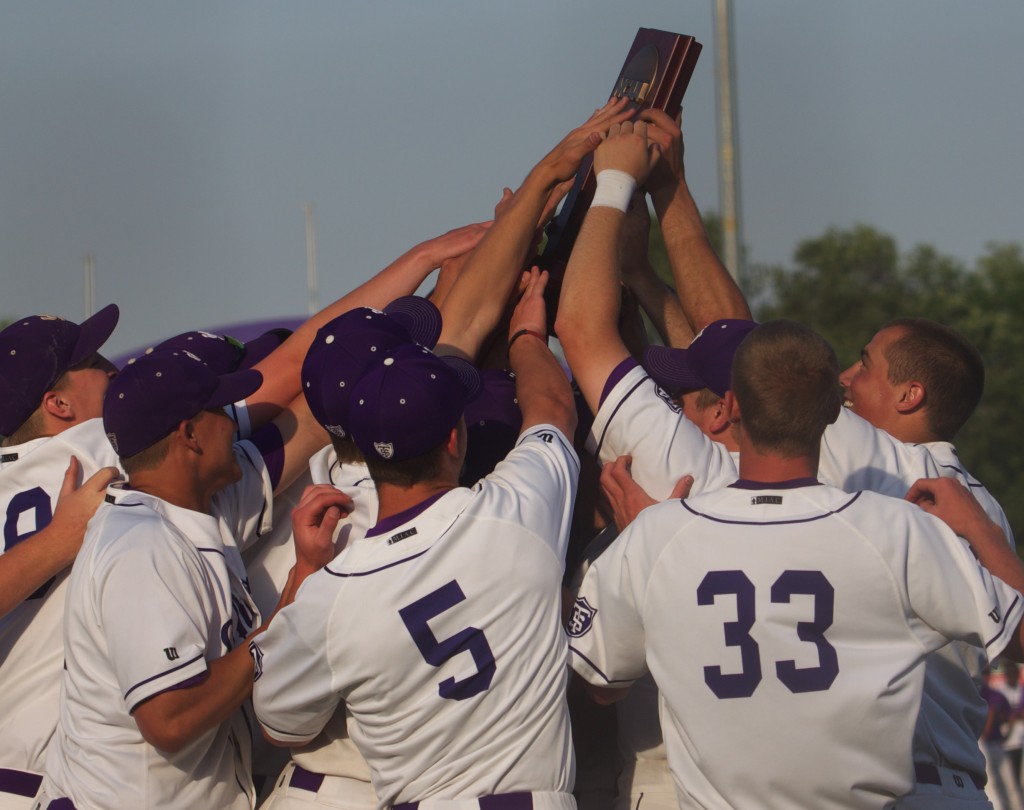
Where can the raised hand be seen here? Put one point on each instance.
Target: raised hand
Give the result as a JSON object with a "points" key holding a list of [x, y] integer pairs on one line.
{"points": [[565, 158], [627, 149]]}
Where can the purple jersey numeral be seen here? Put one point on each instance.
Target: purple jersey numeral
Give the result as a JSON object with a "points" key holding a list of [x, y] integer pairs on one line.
{"points": [[436, 653], [737, 633], [31, 500]]}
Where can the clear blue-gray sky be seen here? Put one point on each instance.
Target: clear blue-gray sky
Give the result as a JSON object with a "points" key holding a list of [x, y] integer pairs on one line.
{"points": [[178, 142]]}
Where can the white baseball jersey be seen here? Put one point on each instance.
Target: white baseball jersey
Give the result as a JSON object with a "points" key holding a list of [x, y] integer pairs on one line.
{"points": [[786, 626], [441, 630], [857, 455], [640, 419], [157, 592], [31, 645], [332, 752], [268, 563]]}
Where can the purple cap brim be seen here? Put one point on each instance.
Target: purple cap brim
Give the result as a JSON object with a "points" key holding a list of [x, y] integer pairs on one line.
{"points": [[234, 387], [94, 332], [669, 369], [419, 317]]}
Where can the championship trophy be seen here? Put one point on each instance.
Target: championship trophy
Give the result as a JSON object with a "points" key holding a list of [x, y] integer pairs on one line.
{"points": [[655, 75]]}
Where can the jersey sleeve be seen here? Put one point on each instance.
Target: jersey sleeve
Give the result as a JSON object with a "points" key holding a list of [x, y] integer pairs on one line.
{"points": [[536, 485], [151, 592], [294, 694], [606, 632], [952, 593], [856, 456], [639, 419], [247, 505]]}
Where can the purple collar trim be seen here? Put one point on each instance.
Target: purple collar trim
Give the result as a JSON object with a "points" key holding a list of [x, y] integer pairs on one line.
{"points": [[794, 483], [396, 520]]}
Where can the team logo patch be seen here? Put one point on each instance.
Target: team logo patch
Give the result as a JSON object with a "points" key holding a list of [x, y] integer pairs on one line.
{"points": [[582, 618], [112, 438], [257, 659], [667, 399], [384, 449], [336, 430]]}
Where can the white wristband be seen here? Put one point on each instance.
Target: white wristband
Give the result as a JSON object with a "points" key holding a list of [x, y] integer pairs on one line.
{"points": [[614, 189]]}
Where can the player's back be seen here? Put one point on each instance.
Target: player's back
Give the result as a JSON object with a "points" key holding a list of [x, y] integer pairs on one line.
{"points": [[31, 647], [456, 660], [783, 629]]}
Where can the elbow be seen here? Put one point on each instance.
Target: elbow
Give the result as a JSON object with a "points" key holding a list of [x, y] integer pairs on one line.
{"points": [[170, 738]]}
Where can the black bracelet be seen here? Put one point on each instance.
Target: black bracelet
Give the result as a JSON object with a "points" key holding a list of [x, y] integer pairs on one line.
{"points": [[522, 332]]}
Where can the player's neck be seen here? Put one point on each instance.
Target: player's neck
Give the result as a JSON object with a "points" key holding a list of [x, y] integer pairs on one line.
{"points": [[769, 469], [167, 484], [394, 499]]}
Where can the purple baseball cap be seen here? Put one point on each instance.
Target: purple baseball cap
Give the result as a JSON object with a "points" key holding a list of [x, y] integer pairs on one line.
{"points": [[707, 363], [154, 393], [344, 347], [36, 351], [224, 353], [493, 422], [407, 402]]}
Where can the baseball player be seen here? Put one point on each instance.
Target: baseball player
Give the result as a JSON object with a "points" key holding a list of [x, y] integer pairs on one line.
{"points": [[440, 628], [52, 381], [330, 769], [785, 621], [158, 611]]}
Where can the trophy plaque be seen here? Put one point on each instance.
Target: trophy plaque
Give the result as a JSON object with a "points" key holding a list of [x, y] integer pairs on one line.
{"points": [[655, 75]]}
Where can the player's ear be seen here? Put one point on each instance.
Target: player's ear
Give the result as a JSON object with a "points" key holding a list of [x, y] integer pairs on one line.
{"points": [[731, 407], [719, 416], [57, 405], [911, 397], [186, 433]]}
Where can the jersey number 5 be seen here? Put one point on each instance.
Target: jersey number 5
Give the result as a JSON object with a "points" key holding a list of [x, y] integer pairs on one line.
{"points": [[737, 633], [436, 653]]}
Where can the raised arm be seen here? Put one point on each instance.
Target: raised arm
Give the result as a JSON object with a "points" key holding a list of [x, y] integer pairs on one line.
{"points": [[543, 391], [403, 276], [703, 284], [588, 308], [477, 299], [655, 297]]}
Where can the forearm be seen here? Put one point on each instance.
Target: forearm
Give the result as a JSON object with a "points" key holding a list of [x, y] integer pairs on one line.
{"points": [[478, 298], [172, 720], [588, 308], [705, 288], [29, 564], [542, 387], [662, 306]]}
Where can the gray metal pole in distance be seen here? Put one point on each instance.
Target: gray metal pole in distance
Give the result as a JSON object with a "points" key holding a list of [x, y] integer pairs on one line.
{"points": [[90, 284], [728, 138], [311, 281]]}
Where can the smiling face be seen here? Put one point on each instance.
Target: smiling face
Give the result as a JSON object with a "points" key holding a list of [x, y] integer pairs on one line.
{"points": [[868, 392]]}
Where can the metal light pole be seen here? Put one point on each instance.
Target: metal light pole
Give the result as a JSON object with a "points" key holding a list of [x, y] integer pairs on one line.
{"points": [[90, 284], [311, 282], [728, 138]]}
